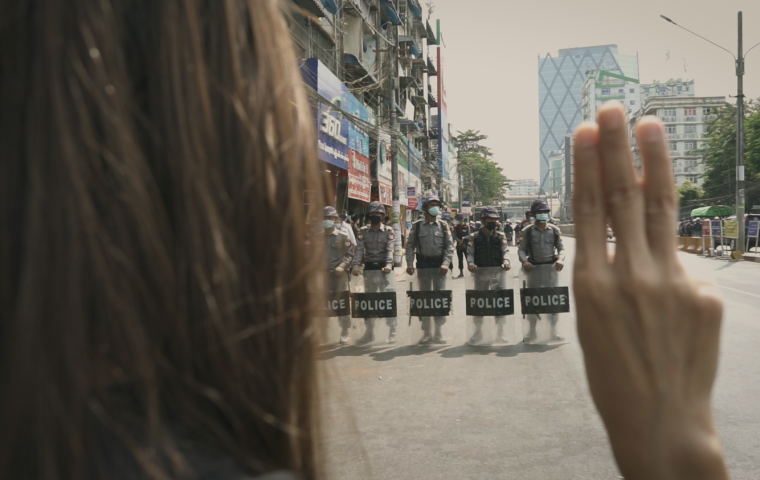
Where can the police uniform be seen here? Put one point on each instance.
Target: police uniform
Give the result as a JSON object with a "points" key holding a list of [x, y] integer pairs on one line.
{"points": [[339, 254], [433, 246], [375, 250], [487, 251], [542, 248]]}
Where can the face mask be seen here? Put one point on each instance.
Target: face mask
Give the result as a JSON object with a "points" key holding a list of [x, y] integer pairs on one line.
{"points": [[375, 219], [434, 211], [491, 225], [542, 217], [328, 224]]}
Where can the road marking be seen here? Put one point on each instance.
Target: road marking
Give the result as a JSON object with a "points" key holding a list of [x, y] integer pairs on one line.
{"points": [[739, 291]]}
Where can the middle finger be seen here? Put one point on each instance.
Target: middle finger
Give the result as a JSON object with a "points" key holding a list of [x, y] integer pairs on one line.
{"points": [[622, 188]]}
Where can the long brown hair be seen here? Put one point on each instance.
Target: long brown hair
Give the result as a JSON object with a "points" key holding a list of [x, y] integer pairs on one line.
{"points": [[144, 148]]}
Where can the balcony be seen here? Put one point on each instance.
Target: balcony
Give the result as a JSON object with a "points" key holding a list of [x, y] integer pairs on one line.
{"points": [[674, 136], [690, 119], [669, 119], [692, 135], [709, 118]]}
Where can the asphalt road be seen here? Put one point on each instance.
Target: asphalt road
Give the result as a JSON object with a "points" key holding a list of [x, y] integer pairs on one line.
{"points": [[515, 412]]}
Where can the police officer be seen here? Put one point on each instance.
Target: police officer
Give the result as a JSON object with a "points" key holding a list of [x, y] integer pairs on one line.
{"points": [[430, 240], [460, 234], [508, 229], [541, 244], [339, 256], [488, 248], [375, 251]]}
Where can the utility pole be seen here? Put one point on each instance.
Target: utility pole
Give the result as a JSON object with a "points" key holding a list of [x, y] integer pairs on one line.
{"points": [[392, 78], [740, 241]]}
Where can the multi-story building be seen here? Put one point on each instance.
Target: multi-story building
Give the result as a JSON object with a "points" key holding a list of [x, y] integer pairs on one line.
{"points": [[560, 81], [686, 120], [601, 86], [355, 59], [522, 188], [671, 88]]}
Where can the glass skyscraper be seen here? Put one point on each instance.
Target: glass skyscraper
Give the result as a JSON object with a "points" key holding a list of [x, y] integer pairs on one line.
{"points": [[560, 80]]}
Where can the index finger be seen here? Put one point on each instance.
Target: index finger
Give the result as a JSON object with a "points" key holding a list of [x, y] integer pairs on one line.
{"points": [[588, 198]]}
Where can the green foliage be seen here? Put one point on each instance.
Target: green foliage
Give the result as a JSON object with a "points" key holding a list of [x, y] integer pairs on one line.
{"points": [[483, 180], [719, 153], [689, 193]]}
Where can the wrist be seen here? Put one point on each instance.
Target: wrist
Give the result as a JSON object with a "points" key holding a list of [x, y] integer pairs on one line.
{"points": [[681, 447]]}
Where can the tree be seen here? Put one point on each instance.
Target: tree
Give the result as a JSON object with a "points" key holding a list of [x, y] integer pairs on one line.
{"points": [[719, 154], [483, 180], [689, 193]]}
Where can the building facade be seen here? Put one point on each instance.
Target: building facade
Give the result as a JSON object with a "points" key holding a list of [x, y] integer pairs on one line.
{"points": [[355, 60], [560, 81], [523, 187], [601, 86], [686, 120]]}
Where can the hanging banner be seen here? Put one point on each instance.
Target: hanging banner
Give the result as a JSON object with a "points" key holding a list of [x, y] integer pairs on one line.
{"points": [[359, 182], [386, 193]]}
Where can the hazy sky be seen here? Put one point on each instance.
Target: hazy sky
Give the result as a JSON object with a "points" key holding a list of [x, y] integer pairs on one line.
{"points": [[492, 50]]}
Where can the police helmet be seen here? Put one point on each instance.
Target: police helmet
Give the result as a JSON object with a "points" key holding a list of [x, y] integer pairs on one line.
{"points": [[429, 199], [376, 207], [489, 212], [330, 212], [539, 206]]}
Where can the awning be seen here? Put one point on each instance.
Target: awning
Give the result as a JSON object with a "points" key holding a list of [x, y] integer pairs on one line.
{"points": [[432, 40], [330, 6], [357, 71], [431, 68], [416, 10], [715, 211], [389, 13], [405, 81], [314, 7]]}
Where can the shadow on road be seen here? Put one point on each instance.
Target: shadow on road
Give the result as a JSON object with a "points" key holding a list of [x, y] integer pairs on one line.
{"points": [[327, 352], [405, 351], [500, 351]]}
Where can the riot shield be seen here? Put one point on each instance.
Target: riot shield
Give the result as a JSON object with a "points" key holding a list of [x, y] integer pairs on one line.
{"points": [[337, 329], [429, 307], [544, 300], [490, 306], [374, 308]]}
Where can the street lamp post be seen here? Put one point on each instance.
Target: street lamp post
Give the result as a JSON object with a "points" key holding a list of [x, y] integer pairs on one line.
{"points": [[739, 127]]}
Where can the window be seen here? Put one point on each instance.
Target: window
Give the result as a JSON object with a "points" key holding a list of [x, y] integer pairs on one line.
{"points": [[673, 146], [646, 89], [706, 111], [671, 128], [679, 88], [690, 129], [705, 128], [605, 91], [689, 146], [669, 113], [621, 91], [631, 91], [633, 102], [690, 112]]}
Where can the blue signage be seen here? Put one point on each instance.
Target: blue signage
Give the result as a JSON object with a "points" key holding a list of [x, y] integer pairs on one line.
{"points": [[335, 133], [752, 229], [715, 229]]}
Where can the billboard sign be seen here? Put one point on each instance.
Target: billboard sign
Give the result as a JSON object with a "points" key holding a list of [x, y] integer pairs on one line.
{"points": [[466, 207], [359, 182], [335, 132], [385, 192]]}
